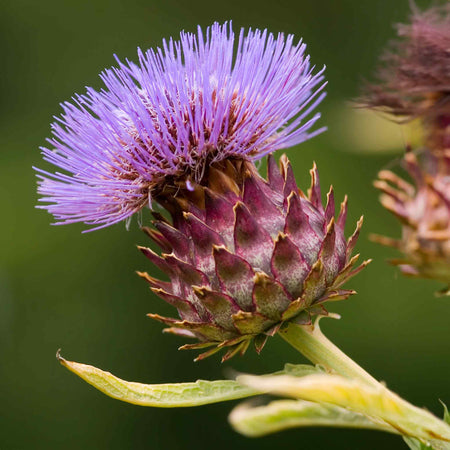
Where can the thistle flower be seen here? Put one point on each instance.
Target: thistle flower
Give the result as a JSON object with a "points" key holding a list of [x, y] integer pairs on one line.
{"points": [[244, 255], [424, 210], [158, 126], [182, 129], [414, 79]]}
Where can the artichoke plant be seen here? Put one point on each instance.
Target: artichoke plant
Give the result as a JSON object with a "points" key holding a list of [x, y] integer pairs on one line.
{"points": [[246, 257]]}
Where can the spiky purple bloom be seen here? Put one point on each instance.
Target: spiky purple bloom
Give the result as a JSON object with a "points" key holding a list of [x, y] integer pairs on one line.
{"points": [[187, 105]]}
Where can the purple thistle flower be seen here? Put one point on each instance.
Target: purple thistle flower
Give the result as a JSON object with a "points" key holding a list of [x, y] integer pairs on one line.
{"points": [[187, 105]]}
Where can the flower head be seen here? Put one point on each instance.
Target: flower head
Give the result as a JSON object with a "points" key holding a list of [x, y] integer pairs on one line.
{"points": [[245, 255], [156, 127], [424, 210]]}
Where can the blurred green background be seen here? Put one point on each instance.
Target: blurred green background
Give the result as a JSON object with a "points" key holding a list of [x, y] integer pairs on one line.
{"points": [[61, 288]]}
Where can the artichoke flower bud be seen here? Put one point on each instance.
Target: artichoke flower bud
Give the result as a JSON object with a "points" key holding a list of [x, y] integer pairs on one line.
{"points": [[424, 210], [245, 254]]}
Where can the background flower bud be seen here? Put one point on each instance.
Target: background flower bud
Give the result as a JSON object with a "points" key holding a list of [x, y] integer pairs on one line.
{"points": [[424, 211]]}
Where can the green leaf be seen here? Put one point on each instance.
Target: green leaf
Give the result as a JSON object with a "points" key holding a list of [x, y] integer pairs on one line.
{"points": [[171, 395], [434, 444], [298, 370], [414, 444], [168, 395], [284, 414], [446, 413], [373, 401]]}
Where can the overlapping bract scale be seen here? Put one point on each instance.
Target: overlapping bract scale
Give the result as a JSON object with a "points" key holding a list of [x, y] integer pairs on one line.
{"points": [[259, 253]]}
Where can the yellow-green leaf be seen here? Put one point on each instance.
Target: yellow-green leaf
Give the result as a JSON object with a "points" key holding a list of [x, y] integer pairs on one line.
{"points": [[284, 414], [171, 395], [373, 401], [168, 395]]}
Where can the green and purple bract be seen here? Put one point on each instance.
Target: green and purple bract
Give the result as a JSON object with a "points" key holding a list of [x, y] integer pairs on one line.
{"points": [[254, 255]]}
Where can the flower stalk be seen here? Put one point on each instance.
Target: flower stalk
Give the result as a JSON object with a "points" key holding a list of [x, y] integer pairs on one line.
{"points": [[314, 345]]}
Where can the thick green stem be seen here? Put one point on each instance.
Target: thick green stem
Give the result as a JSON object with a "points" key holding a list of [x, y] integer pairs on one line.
{"points": [[314, 345]]}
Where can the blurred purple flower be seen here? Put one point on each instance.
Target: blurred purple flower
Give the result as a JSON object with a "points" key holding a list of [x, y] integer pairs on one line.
{"points": [[414, 75], [187, 105]]}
